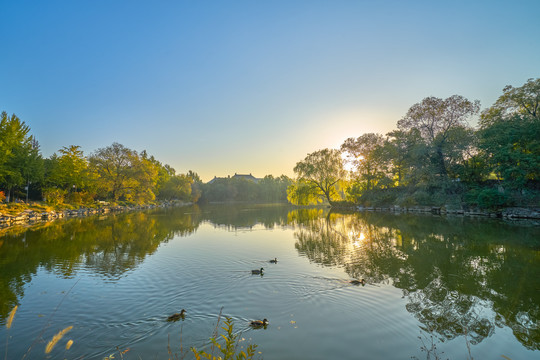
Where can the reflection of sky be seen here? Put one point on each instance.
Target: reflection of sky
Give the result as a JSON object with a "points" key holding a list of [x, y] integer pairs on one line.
{"points": [[303, 295], [250, 86]]}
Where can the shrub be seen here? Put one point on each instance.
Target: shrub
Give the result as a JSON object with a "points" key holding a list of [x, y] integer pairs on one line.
{"points": [[54, 196], [491, 199], [2, 196], [422, 198], [74, 198]]}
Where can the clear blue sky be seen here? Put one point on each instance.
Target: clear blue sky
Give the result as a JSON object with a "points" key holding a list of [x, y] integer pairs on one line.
{"points": [[220, 87]]}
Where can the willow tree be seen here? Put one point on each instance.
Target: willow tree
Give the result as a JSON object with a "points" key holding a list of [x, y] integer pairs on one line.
{"points": [[437, 120], [322, 171]]}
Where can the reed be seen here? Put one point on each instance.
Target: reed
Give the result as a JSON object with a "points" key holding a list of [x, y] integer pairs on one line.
{"points": [[69, 344], [56, 338], [11, 316]]}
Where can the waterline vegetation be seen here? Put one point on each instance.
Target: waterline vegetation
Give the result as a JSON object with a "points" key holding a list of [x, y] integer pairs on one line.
{"points": [[436, 158]]}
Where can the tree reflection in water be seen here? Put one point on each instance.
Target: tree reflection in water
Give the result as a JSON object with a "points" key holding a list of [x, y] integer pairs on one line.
{"points": [[109, 245], [458, 274], [452, 270]]}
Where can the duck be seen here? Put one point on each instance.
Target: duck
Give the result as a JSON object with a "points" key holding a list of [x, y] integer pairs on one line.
{"points": [[358, 282], [177, 316], [259, 323], [273, 261], [257, 272]]}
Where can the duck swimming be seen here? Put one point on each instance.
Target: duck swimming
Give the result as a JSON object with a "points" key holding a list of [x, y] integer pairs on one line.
{"points": [[177, 316], [273, 261], [257, 272], [358, 282], [259, 323]]}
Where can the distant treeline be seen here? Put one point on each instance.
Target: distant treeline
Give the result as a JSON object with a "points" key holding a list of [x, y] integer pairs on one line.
{"points": [[113, 174], [267, 190], [435, 157]]}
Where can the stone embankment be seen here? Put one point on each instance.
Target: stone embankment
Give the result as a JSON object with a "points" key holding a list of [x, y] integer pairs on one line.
{"points": [[508, 213], [31, 216]]}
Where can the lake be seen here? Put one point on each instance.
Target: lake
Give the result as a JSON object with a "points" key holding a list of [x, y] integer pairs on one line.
{"points": [[436, 287]]}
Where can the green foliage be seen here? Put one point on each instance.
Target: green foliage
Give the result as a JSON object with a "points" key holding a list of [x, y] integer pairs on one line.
{"points": [[521, 101], [20, 160], [177, 187], [237, 189], [303, 193], [69, 170], [323, 170], [513, 148], [369, 156], [228, 350], [54, 196], [491, 199], [437, 121]]}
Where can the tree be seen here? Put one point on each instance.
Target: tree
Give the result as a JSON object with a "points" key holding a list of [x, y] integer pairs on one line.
{"points": [[523, 100], [407, 153], [70, 169], [162, 172], [273, 189], [435, 118], [177, 187], [114, 166], [509, 134], [366, 153], [20, 160], [123, 174], [512, 147], [302, 192], [322, 170]]}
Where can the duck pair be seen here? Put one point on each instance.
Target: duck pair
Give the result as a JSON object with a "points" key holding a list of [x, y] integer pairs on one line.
{"points": [[182, 314], [261, 270]]}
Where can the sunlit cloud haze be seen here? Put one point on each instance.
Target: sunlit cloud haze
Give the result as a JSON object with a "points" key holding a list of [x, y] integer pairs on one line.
{"points": [[249, 86]]}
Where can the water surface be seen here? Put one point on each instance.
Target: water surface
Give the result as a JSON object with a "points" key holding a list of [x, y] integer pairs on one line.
{"points": [[469, 287]]}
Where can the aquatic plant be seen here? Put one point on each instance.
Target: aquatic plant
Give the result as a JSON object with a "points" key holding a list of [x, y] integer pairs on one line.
{"points": [[229, 348]]}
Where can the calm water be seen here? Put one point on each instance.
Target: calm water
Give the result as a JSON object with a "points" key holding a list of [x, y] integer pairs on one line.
{"points": [[430, 280]]}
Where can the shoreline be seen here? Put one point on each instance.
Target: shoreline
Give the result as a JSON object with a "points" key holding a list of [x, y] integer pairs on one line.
{"points": [[511, 213], [31, 217]]}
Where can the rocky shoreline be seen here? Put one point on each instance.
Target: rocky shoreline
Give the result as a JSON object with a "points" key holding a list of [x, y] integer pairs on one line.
{"points": [[31, 217], [514, 213]]}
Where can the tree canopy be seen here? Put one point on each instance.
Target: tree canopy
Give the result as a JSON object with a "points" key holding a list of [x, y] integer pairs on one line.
{"points": [[322, 170]]}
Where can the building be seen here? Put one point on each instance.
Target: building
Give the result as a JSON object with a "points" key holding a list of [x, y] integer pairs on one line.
{"points": [[248, 177]]}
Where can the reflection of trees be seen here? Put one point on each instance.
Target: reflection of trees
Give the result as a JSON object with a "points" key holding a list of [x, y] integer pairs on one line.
{"points": [[110, 245], [319, 240], [246, 216], [451, 269]]}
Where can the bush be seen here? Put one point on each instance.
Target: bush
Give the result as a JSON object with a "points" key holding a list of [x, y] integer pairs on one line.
{"points": [[54, 196], [491, 199], [74, 198], [2, 196], [422, 198]]}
